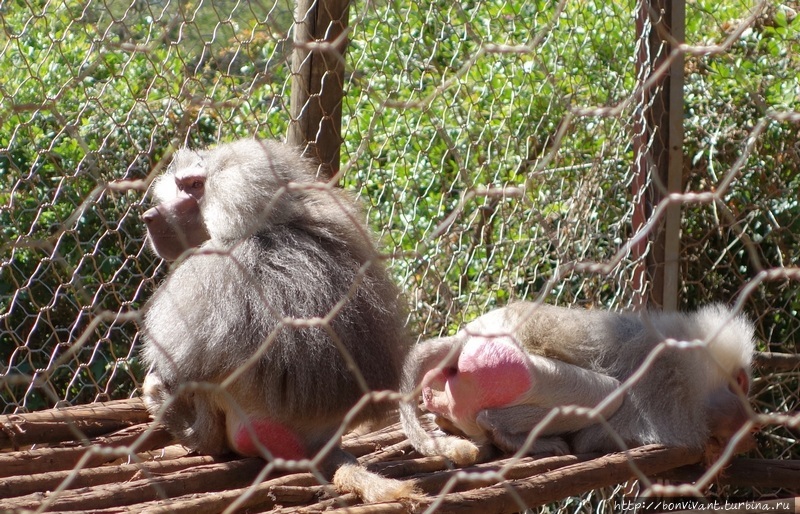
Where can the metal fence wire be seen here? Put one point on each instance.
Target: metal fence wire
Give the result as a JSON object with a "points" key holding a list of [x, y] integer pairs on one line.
{"points": [[502, 149]]}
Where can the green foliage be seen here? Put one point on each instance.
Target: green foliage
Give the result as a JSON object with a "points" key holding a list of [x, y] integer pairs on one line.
{"points": [[446, 106], [467, 96], [89, 97], [757, 77]]}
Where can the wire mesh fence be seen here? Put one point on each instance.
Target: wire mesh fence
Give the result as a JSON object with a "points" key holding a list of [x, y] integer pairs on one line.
{"points": [[497, 147]]}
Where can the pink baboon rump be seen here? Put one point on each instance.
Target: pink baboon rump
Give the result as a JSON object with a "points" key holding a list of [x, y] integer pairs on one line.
{"points": [[491, 372], [278, 439]]}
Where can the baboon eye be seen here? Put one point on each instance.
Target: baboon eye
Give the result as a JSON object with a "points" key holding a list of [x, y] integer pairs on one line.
{"points": [[192, 186]]}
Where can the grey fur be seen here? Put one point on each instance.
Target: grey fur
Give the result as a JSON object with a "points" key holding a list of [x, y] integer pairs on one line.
{"points": [[673, 403], [284, 250], [668, 404]]}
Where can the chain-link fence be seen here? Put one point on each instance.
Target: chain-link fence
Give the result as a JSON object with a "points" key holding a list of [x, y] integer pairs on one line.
{"points": [[503, 151]]}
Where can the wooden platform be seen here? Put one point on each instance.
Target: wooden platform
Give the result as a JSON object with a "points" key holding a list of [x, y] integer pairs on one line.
{"points": [[109, 457]]}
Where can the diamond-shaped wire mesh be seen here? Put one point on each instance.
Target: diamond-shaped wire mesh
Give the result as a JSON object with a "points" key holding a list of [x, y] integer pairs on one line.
{"points": [[491, 143]]}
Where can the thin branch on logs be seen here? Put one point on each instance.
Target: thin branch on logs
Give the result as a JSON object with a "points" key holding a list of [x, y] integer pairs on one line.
{"points": [[172, 451], [343, 501], [390, 453], [70, 423], [360, 445], [408, 467]]}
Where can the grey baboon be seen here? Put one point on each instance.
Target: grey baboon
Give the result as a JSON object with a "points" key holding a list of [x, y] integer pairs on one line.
{"points": [[277, 317], [503, 374]]}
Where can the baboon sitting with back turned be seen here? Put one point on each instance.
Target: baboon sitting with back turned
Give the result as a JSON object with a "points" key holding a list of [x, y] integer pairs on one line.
{"points": [[278, 316]]}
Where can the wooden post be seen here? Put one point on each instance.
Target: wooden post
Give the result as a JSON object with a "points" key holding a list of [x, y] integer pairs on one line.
{"points": [[318, 80], [672, 232], [658, 146]]}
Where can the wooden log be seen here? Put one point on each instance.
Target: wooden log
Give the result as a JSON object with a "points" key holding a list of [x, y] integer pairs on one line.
{"points": [[287, 491], [360, 445], [276, 496], [96, 452], [550, 486], [211, 503], [491, 473], [291, 489], [49, 480], [777, 362], [202, 479], [70, 423], [746, 472], [433, 480], [188, 484]]}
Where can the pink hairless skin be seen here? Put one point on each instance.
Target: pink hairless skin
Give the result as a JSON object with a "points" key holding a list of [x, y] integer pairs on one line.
{"points": [[279, 440], [490, 372]]}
